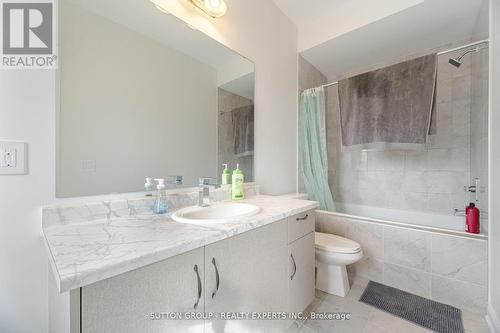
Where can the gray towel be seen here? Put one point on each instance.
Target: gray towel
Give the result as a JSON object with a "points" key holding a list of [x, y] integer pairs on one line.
{"points": [[389, 108], [243, 122]]}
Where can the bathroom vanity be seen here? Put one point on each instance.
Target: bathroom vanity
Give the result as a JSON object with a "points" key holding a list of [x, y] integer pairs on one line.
{"points": [[131, 272], [161, 100]]}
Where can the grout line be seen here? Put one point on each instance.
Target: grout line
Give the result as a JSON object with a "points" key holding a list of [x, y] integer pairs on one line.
{"points": [[430, 258], [435, 274], [431, 294], [383, 253]]}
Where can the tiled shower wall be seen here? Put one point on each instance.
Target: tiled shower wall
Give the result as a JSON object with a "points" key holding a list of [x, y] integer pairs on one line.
{"points": [[432, 180], [479, 129], [227, 102]]}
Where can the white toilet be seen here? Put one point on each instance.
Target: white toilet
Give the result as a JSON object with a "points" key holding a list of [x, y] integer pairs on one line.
{"points": [[333, 253]]}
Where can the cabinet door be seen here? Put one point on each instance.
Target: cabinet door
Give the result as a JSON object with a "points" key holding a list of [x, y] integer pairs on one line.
{"points": [[301, 273], [251, 269], [124, 303]]}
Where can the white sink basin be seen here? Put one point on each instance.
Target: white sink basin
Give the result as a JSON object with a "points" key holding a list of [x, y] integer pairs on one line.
{"points": [[215, 213]]}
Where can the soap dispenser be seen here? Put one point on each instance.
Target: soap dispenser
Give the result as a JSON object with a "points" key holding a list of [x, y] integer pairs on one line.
{"points": [[226, 176], [237, 184], [148, 187], [472, 219], [160, 205]]}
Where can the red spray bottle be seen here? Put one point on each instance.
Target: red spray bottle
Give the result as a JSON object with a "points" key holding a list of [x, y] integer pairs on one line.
{"points": [[472, 219]]}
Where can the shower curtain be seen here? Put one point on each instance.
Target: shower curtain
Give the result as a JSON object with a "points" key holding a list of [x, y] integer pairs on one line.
{"points": [[313, 157]]}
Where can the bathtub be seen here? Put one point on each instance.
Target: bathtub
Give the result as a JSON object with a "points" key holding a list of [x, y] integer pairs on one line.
{"points": [[425, 254], [414, 218]]}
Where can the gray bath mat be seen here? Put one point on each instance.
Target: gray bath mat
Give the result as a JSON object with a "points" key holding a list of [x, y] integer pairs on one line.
{"points": [[436, 316]]}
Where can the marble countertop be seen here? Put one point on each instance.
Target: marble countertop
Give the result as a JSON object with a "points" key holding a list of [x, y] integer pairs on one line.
{"points": [[87, 252]]}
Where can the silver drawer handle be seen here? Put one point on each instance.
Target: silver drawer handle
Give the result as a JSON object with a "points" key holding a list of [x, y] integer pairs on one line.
{"points": [[294, 267], [302, 218], [199, 286], [217, 281]]}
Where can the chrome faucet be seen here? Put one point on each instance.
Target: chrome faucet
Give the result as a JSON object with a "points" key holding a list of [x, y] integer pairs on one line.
{"points": [[204, 190], [476, 189], [175, 180]]}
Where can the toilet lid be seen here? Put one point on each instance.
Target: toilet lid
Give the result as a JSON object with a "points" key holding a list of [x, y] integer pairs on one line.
{"points": [[334, 243]]}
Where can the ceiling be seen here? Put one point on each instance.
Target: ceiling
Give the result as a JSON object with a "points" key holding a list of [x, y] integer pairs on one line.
{"points": [[321, 20], [423, 26], [143, 17], [242, 86]]}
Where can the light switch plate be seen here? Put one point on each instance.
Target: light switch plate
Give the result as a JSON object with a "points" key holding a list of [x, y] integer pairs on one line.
{"points": [[13, 158], [88, 166]]}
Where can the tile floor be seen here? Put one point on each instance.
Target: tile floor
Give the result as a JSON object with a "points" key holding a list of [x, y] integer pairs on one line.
{"points": [[367, 319]]}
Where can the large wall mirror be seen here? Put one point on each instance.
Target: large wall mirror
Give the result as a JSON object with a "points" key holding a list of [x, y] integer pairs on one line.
{"points": [[141, 94]]}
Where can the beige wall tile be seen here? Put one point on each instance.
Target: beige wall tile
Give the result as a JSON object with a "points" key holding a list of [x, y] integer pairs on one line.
{"points": [[331, 224], [368, 268], [460, 294], [408, 248], [411, 280], [370, 235], [459, 258]]}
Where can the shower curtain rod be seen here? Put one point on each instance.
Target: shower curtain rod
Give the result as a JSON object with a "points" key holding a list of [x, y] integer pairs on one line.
{"points": [[484, 41]]}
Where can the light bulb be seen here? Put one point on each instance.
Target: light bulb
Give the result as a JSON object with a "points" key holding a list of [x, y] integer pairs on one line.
{"points": [[214, 8]]}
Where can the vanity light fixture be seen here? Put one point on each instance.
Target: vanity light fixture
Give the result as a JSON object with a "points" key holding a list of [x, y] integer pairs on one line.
{"points": [[160, 6], [161, 9], [214, 8]]}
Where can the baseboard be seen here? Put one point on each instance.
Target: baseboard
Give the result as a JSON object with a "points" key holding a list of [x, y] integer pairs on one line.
{"points": [[492, 320]]}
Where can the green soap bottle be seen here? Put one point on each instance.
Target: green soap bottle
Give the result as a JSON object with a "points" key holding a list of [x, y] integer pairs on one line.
{"points": [[226, 176], [237, 188]]}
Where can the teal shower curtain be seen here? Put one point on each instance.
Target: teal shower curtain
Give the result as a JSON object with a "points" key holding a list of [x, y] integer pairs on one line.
{"points": [[313, 157]]}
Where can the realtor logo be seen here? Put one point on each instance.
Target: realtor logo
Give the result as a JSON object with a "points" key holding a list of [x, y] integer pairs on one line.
{"points": [[28, 35]]}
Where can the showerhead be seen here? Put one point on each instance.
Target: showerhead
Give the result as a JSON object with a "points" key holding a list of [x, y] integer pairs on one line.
{"points": [[455, 62], [458, 60]]}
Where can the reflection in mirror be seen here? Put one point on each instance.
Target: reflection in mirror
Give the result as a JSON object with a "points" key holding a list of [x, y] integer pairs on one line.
{"points": [[143, 95]]}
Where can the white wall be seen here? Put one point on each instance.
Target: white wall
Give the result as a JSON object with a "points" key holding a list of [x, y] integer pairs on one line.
{"points": [[494, 167], [256, 29], [130, 108], [261, 32], [27, 113]]}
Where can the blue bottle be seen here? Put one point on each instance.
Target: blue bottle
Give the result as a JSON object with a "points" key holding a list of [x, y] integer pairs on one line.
{"points": [[160, 205]]}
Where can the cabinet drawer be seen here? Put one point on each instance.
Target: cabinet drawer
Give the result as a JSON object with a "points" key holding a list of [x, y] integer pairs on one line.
{"points": [[300, 225]]}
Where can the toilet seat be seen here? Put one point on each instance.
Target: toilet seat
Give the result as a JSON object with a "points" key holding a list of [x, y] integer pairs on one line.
{"points": [[334, 243]]}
